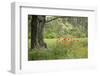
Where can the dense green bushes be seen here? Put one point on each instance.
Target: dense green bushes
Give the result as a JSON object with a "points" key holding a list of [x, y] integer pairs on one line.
{"points": [[65, 27]]}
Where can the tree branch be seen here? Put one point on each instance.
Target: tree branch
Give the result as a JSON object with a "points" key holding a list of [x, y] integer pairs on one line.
{"points": [[52, 19]]}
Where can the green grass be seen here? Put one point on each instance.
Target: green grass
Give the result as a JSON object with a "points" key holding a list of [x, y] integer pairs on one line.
{"points": [[60, 50], [50, 42]]}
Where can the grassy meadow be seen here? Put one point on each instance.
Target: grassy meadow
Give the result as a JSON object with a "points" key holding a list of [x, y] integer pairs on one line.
{"points": [[60, 50]]}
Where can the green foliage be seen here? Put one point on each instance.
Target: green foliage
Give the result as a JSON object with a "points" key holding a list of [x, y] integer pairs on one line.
{"points": [[66, 26], [50, 35], [63, 26]]}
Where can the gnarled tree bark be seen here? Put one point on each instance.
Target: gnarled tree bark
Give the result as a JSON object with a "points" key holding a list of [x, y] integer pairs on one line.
{"points": [[37, 29]]}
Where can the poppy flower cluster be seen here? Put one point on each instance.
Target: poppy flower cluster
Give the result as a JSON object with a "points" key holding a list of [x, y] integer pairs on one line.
{"points": [[66, 40]]}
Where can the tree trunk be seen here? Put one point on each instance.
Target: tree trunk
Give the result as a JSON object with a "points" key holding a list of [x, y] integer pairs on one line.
{"points": [[37, 29]]}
